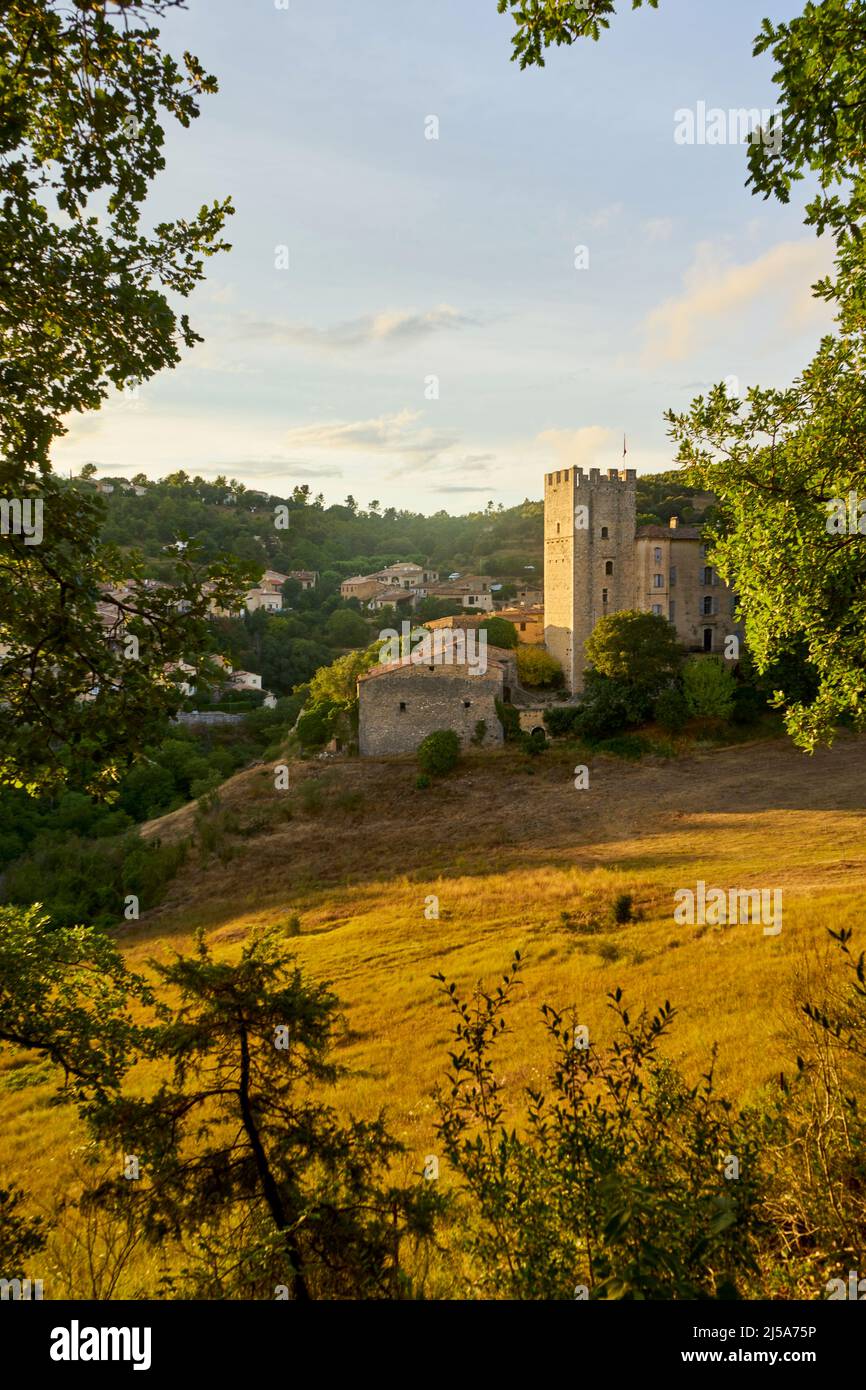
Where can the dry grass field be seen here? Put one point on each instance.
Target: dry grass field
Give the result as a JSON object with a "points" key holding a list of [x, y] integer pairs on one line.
{"points": [[508, 846]]}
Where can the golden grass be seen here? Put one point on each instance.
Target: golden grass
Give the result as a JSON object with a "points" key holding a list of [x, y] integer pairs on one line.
{"points": [[507, 851]]}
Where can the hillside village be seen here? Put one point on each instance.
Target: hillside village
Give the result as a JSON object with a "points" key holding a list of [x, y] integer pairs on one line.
{"points": [[599, 557]]}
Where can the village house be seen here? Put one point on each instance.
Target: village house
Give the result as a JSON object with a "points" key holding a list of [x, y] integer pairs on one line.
{"points": [[402, 702], [471, 591], [528, 622], [308, 579]]}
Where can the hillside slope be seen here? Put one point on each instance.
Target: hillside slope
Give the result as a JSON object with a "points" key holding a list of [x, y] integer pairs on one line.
{"points": [[508, 845]]}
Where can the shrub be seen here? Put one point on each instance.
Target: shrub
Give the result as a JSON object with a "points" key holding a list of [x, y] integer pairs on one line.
{"points": [[510, 721], [562, 720], [439, 752], [480, 733], [310, 796], [422, 782], [622, 908], [670, 709], [315, 725], [534, 743], [749, 705], [627, 746], [708, 684], [537, 668]]}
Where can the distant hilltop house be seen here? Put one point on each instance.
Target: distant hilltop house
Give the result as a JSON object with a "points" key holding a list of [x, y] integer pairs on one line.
{"points": [[402, 702], [308, 579], [106, 486], [396, 584], [404, 585], [471, 591], [598, 561], [268, 593], [240, 682]]}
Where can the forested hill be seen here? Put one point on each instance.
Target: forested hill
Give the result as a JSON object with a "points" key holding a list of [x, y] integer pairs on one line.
{"points": [[226, 518]]}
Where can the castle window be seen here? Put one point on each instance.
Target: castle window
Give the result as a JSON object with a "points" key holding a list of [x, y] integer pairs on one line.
{"points": [[608, 566], [672, 611], [402, 706], [604, 533], [466, 704], [673, 575], [658, 581], [557, 528], [708, 639], [657, 610], [708, 607], [657, 554], [708, 574], [604, 595]]}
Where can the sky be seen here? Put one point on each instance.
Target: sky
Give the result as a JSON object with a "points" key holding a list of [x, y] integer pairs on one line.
{"points": [[449, 276]]}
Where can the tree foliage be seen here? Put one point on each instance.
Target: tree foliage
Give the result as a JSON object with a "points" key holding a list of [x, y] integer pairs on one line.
{"points": [[709, 687], [616, 1185], [242, 1162], [84, 310]]}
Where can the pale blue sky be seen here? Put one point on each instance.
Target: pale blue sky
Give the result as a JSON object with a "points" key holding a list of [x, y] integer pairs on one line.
{"points": [[410, 257]]}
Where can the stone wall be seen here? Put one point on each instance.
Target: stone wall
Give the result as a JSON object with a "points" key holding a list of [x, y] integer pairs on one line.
{"points": [[398, 706]]}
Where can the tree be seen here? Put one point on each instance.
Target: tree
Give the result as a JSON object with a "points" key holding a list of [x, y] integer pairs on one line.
{"points": [[500, 632], [709, 687], [790, 540], [537, 668], [637, 649], [345, 628], [339, 681], [65, 995], [239, 1156], [84, 309], [778, 459]]}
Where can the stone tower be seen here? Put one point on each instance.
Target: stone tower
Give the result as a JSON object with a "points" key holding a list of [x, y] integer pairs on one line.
{"points": [[589, 558]]}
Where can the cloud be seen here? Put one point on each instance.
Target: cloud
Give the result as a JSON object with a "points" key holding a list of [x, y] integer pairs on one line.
{"points": [[601, 219], [457, 488], [386, 434], [270, 465], [659, 228], [582, 448], [714, 291], [394, 328]]}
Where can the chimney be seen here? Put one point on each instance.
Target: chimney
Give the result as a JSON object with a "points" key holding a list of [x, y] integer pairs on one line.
{"points": [[674, 522]]}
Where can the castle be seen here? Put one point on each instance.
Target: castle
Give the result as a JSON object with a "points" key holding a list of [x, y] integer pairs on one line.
{"points": [[598, 561]]}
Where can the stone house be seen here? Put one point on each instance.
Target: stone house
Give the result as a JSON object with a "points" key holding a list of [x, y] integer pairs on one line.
{"points": [[399, 704]]}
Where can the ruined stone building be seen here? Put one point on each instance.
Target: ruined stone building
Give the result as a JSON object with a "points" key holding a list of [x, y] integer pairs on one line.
{"points": [[597, 561], [402, 702]]}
